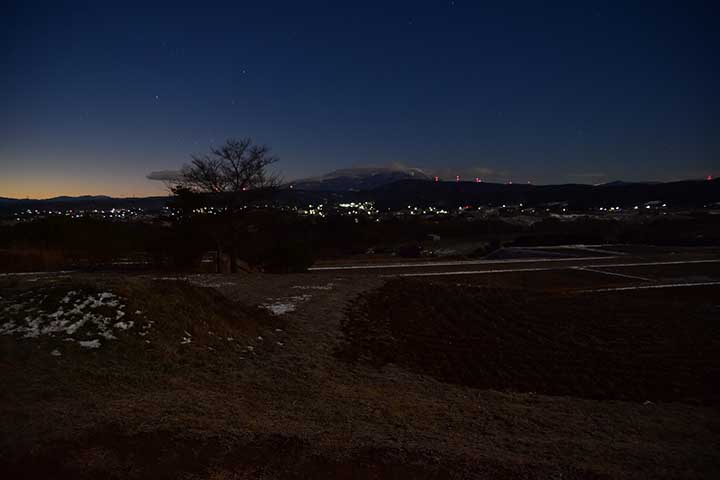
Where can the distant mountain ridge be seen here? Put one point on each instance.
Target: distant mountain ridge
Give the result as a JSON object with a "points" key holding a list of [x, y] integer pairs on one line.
{"points": [[620, 183], [688, 193], [417, 189], [82, 198], [100, 202], [66, 198]]}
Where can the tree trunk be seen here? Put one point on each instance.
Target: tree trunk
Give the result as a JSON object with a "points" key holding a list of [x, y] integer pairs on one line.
{"points": [[218, 258], [233, 260]]}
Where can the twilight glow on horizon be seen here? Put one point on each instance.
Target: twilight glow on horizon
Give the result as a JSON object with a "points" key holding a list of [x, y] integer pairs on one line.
{"points": [[96, 95]]}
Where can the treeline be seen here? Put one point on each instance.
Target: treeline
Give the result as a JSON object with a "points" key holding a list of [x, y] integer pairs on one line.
{"points": [[700, 229], [269, 241], [278, 241]]}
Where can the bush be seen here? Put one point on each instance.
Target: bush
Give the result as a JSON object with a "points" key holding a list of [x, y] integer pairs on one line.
{"points": [[414, 250], [290, 257], [486, 248], [179, 247]]}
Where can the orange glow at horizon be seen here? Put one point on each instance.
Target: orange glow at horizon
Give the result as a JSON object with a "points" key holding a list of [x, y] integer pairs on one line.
{"points": [[40, 188]]}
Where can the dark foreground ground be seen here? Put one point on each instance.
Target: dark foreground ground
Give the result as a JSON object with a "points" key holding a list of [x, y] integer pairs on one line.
{"points": [[368, 377]]}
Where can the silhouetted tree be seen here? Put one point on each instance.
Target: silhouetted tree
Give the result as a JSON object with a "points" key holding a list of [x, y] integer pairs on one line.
{"points": [[236, 166], [228, 177]]}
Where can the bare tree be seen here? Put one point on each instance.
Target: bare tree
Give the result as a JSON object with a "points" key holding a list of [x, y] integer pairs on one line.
{"points": [[222, 176], [236, 166]]}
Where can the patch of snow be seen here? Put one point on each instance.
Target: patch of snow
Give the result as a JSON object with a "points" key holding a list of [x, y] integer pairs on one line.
{"points": [[67, 297], [15, 308], [90, 343], [56, 353], [284, 305], [94, 315], [7, 326], [108, 335], [280, 308], [145, 329]]}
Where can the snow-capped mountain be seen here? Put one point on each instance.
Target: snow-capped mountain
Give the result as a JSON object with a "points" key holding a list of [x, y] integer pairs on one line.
{"points": [[357, 179]]}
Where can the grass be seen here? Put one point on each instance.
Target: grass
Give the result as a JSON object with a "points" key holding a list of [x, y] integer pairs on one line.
{"points": [[215, 409]]}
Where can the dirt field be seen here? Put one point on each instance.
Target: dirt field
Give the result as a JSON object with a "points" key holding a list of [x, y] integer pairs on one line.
{"points": [[307, 391], [657, 346]]}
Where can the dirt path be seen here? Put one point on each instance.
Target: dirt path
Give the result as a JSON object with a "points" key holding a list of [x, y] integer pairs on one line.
{"points": [[355, 405]]}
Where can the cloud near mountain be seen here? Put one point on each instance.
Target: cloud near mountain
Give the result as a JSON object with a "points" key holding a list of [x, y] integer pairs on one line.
{"points": [[164, 175], [367, 177]]}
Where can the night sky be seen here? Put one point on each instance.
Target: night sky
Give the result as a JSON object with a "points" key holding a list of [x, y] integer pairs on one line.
{"points": [[95, 96]]}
